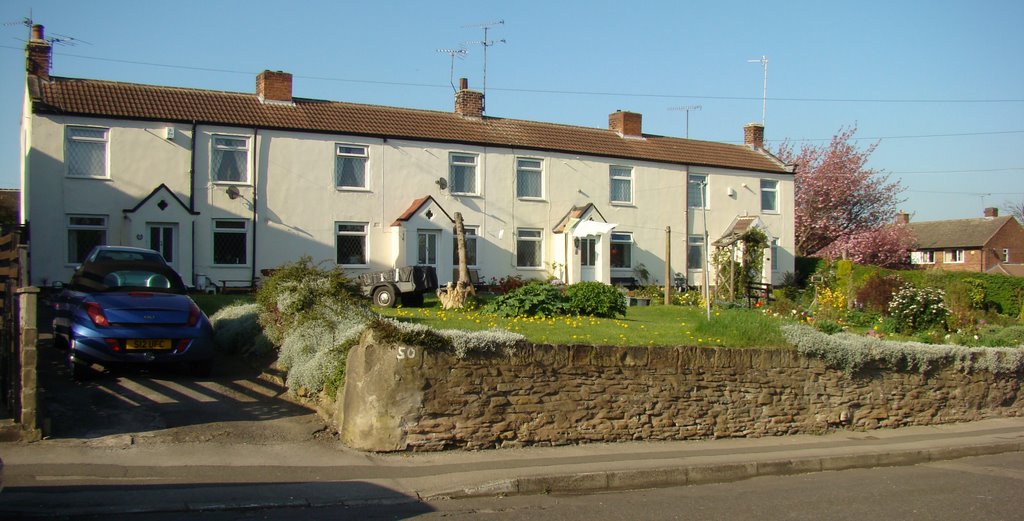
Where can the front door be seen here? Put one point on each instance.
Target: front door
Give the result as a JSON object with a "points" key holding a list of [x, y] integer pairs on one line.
{"points": [[163, 237], [588, 258], [427, 248]]}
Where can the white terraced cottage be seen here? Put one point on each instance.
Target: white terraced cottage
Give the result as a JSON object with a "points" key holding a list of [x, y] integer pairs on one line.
{"points": [[229, 184]]}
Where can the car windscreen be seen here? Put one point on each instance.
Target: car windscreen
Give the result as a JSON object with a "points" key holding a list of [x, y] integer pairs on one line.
{"points": [[121, 255], [126, 276]]}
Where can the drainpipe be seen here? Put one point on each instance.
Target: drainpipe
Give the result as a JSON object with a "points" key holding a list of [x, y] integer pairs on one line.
{"points": [[255, 190], [192, 197]]}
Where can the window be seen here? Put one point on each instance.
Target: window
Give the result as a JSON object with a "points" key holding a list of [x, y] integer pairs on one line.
{"points": [[350, 166], [695, 252], [622, 250], [922, 257], [351, 243], [426, 247], [85, 232], [529, 178], [230, 242], [86, 151], [588, 252], [775, 255], [1006, 255], [769, 196], [697, 191], [929, 257], [229, 162], [621, 184], [462, 174], [954, 256], [470, 247], [528, 248]]}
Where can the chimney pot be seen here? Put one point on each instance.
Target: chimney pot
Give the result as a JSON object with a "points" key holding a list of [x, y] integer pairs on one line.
{"points": [[463, 83], [37, 32], [991, 212], [274, 86], [626, 123], [753, 135]]}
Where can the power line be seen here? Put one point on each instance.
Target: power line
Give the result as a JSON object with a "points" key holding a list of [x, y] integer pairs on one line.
{"points": [[563, 92], [960, 171], [960, 134]]}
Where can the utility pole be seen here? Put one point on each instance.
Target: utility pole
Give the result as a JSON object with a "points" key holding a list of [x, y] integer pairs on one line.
{"points": [[764, 96], [687, 108]]}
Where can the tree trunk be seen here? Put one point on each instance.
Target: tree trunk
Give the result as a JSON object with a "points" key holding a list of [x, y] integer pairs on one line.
{"points": [[455, 297]]}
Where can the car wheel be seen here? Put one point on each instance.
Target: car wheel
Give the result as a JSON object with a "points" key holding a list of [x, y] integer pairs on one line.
{"points": [[384, 297], [60, 342]]}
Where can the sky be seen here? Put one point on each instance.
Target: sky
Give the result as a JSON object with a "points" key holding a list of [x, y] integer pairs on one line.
{"points": [[938, 85]]}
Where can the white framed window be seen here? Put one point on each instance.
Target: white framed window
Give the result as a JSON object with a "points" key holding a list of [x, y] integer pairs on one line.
{"points": [[954, 256], [85, 232], [351, 243], [769, 196], [1006, 255], [621, 184], [350, 166], [529, 248], [230, 242], [229, 159], [529, 178], [929, 257], [621, 250], [695, 252], [85, 152], [471, 235], [697, 191], [775, 254], [426, 247], [922, 257], [462, 174]]}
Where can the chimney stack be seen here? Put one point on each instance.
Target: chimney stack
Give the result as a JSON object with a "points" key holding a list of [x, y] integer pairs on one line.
{"points": [[991, 212], [274, 86], [468, 103], [38, 53], [753, 135], [627, 124], [902, 217]]}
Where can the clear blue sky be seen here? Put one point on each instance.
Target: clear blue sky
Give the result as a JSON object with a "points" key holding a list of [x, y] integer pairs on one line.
{"points": [[940, 82]]}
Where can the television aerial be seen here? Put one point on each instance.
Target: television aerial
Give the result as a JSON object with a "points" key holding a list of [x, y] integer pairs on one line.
{"points": [[486, 43], [460, 53]]}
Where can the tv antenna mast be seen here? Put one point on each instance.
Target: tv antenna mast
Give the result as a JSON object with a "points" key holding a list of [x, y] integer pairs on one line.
{"points": [[56, 39], [486, 43], [764, 97], [460, 53], [687, 108]]}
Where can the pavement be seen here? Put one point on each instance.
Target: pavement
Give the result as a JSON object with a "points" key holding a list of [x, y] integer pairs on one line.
{"points": [[129, 473]]}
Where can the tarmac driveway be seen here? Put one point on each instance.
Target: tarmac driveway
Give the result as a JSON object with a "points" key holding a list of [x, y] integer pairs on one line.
{"points": [[236, 404]]}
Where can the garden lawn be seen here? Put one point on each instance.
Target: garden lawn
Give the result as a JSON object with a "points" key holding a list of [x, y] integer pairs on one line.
{"points": [[643, 326]]}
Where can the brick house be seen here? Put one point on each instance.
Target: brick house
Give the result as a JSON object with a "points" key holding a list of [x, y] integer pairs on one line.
{"points": [[979, 244]]}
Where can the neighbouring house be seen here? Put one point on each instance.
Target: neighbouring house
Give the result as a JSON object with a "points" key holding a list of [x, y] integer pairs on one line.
{"points": [[985, 244], [227, 184]]}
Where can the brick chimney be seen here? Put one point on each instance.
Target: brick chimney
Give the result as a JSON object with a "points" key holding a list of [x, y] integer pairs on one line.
{"points": [[753, 135], [274, 86], [627, 124], [902, 217], [468, 103], [991, 212], [38, 54]]}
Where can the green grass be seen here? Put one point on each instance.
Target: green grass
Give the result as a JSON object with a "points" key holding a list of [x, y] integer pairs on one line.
{"points": [[210, 304], [642, 326]]}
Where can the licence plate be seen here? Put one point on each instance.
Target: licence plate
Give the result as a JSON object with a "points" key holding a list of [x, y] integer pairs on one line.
{"points": [[148, 343]]}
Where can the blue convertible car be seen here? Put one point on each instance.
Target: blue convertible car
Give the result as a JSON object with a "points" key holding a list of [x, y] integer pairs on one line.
{"points": [[130, 313]]}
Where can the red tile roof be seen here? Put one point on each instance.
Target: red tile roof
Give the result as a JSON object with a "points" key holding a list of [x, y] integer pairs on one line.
{"points": [[416, 205], [172, 104]]}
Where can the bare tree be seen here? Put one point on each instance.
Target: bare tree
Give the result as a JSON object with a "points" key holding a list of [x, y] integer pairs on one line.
{"points": [[1015, 209]]}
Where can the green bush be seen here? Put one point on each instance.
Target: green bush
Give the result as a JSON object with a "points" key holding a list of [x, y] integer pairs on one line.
{"points": [[596, 299], [538, 299], [237, 331], [298, 287], [915, 309], [828, 327]]}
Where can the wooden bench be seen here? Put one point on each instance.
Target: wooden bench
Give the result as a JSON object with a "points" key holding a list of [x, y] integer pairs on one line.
{"points": [[757, 292], [625, 282]]}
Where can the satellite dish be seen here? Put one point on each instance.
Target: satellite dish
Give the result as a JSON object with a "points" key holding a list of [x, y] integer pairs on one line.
{"points": [[442, 183], [233, 192]]}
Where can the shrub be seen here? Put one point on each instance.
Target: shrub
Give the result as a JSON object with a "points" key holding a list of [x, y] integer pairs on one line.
{"points": [[877, 291], [237, 331], [915, 309], [596, 299], [296, 288], [655, 293], [828, 327], [507, 284], [831, 304], [532, 300]]}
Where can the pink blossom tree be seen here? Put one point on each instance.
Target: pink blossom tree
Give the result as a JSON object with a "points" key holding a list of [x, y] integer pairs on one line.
{"points": [[843, 207]]}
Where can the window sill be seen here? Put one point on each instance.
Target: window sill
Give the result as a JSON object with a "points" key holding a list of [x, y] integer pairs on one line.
{"points": [[622, 204], [533, 199], [230, 265], [88, 177], [530, 268], [770, 212], [353, 189], [466, 194], [231, 183]]}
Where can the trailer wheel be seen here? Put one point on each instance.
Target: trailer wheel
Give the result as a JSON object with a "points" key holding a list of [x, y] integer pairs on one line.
{"points": [[385, 297]]}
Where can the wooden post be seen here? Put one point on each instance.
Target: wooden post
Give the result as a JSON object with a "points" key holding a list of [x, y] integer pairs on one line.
{"points": [[450, 297], [668, 265]]}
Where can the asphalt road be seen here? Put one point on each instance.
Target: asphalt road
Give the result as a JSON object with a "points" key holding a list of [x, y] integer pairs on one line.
{"points": [[980, 488]]}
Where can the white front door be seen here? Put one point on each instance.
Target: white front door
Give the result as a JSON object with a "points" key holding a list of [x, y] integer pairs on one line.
{"points": [[426, 245], [163, 237], [588, 258]]}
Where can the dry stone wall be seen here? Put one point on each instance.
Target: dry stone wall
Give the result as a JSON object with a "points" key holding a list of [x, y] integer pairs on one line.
{"points": [[403, 398]]}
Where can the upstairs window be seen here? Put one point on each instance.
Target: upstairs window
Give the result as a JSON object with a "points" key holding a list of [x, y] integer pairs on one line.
{"points": [[697, 191], [529, 178], [86, 152], [229, 161], [85, 232], [769, 196], [350, 166], [621, 184], [462, 174]]}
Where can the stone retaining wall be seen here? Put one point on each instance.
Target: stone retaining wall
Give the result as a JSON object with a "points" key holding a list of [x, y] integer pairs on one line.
{"points": [[403, 398]]}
